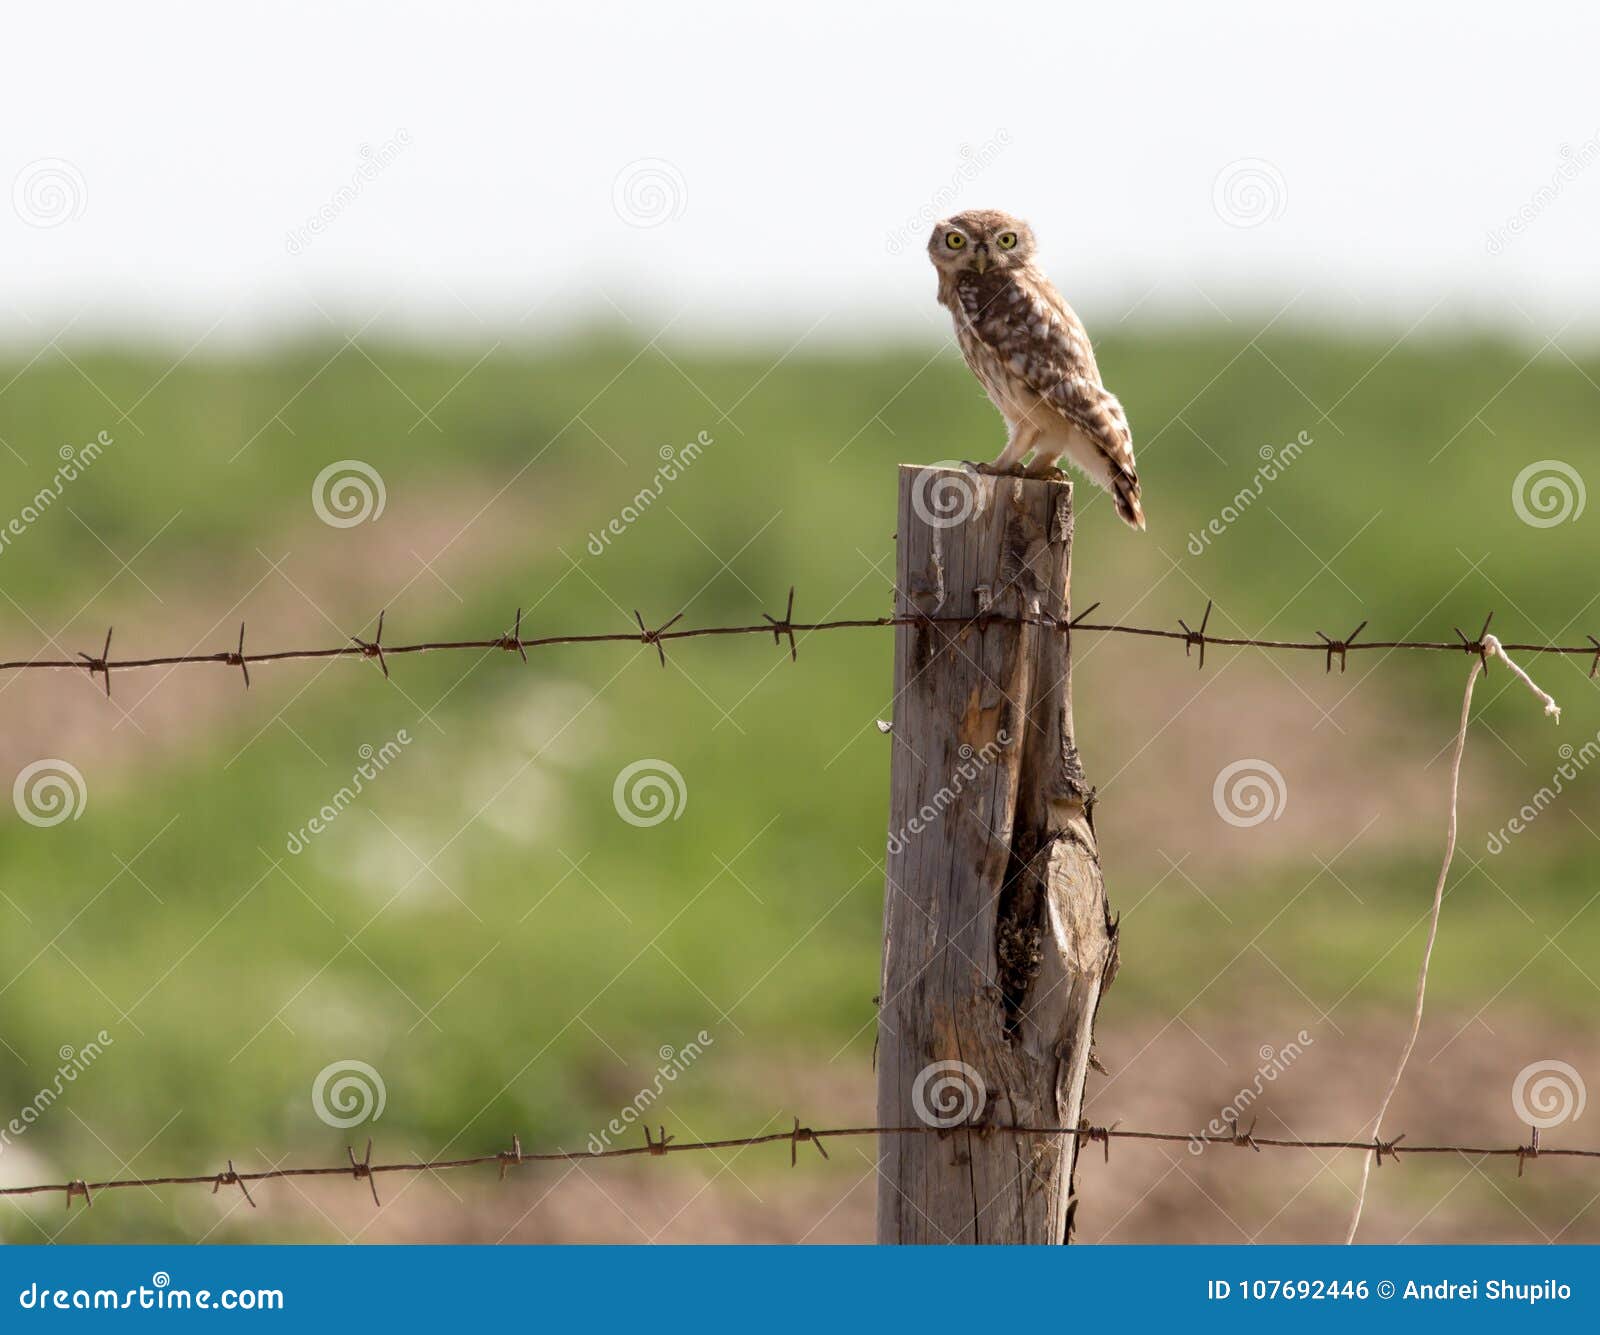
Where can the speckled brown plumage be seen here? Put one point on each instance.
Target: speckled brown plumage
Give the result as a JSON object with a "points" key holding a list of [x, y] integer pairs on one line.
{"points": [[1031, 353]]}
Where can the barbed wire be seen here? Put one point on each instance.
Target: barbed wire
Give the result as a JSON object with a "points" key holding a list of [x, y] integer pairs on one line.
{"points": [[782, 629], [661, 1144]]}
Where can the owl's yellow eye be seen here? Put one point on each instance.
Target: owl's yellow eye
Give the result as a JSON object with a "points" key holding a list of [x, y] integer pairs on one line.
{"points": [[1006, 240], [954, 240]]}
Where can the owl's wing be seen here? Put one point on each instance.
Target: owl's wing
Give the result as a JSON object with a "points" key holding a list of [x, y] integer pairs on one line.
{"points": [[1042, 343]]}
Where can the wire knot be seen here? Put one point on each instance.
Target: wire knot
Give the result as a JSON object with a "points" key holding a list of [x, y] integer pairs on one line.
{"points": [[362, 1168], [78, 1187], [237, 658], [1389, 1147], [1244, 1140], [102, 664], [1340, 647], [1479, 646], [511, 1157], [1191, 638], [659, 1145], [785, 627], [799, 1134], [1098, 1134], [514, 640], [1528, 1151], [373, 648], [232, 1179], [648, 636]]}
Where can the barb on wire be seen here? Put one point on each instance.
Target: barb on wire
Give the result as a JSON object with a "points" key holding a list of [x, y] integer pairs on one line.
{"points": [[362, 1168], [1390, 1147], [511, 1158], [232, 1179], [647, 636], [1245, 1140], [1478, 646], [787, 628], [1194, 637], [662, 1144], [101, 664], [1528, 1151], [1340, 647], [514, 640], [238, 659], [374, 648], [804, 1133]]}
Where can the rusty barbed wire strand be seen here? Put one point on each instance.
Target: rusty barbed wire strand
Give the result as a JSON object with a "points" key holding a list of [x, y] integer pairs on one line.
{"points": [[783, 631], [662, 1144]]}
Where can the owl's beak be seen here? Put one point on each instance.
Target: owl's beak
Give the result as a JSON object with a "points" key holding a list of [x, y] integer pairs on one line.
{"points": [[980, 256]]}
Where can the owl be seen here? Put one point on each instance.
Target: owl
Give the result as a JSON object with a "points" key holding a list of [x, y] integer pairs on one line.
{"points": [[1031, 354]]}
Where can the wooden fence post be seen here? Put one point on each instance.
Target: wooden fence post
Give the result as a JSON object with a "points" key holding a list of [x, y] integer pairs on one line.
{"points": [[997, 936]]}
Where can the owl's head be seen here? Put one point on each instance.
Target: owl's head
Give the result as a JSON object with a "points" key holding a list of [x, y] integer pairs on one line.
{"points": [[980, 240]]}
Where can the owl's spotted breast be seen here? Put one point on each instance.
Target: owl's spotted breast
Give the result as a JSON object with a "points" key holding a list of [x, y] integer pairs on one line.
{"points": [[1038, 339]]}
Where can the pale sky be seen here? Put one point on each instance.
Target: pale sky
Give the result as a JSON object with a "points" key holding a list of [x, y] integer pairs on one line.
{"points": [[164, 163]]}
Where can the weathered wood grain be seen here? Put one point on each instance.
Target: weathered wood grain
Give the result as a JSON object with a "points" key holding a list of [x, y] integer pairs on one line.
{"points": [[998, 938]]}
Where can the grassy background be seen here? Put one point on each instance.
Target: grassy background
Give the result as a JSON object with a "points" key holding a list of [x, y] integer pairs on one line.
{"points": [[483, 929]]}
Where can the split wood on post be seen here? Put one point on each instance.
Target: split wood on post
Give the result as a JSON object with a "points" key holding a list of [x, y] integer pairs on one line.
{"points": [[998, 938]]}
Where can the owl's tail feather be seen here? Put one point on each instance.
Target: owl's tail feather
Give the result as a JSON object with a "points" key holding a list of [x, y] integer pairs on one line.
{"points": [[1125, 492]]}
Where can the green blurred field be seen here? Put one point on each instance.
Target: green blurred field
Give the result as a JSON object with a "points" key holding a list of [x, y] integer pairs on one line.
{"points": [[483, 929]]}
